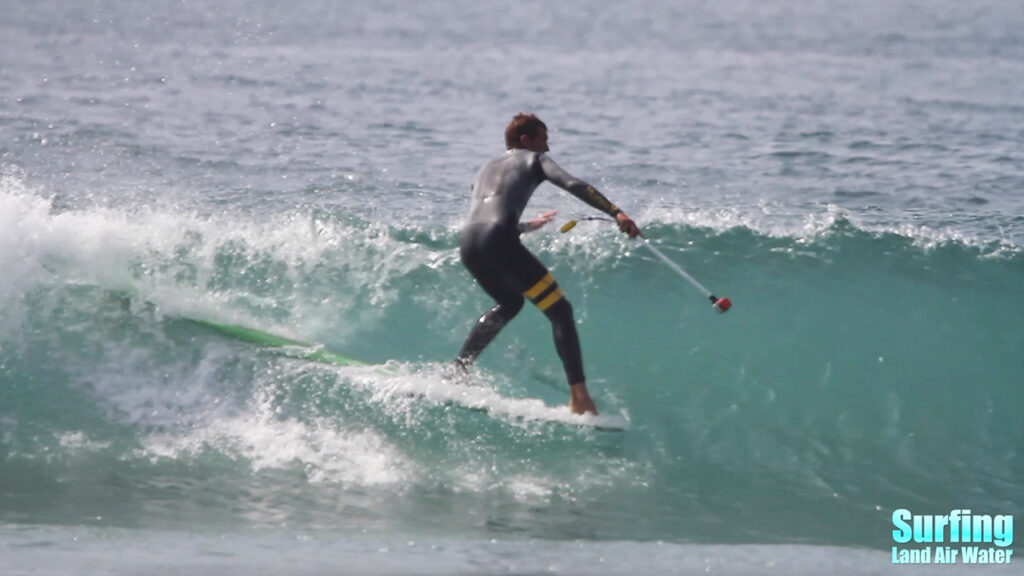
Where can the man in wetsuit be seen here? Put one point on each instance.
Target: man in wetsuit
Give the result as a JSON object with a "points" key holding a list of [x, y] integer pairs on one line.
{"points": [[505, 269]]}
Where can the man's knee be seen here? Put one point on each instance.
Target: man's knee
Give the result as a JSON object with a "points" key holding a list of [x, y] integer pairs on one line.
{"points": [[504, 311], [512, 307], [546, 295]]}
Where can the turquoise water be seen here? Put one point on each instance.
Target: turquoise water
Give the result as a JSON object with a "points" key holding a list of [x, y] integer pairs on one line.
{"points": [[847, 174]]}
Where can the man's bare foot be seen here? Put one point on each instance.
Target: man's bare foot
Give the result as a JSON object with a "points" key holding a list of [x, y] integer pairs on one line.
{"points": [[579, 401], [457, 372]]}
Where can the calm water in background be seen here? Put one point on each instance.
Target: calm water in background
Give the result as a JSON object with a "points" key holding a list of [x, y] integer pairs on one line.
{"points": [[848, 173]]}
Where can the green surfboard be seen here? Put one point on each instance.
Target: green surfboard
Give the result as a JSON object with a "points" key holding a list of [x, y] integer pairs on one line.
{"points": [[479, 399], [297, 348]]}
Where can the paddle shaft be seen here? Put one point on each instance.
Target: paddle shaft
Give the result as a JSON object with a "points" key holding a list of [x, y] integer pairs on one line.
{"points": [[676, 268], [720, 304]]}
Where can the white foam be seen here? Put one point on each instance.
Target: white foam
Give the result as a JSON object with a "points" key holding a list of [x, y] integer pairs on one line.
{"points": [[80, 441], [803, 225], [187, 410], [325, 450], [24, 220], [403, 382], [311, 270]]}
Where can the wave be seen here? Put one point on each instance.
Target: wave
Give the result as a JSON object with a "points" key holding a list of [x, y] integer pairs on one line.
{"points": [[830, 388]]}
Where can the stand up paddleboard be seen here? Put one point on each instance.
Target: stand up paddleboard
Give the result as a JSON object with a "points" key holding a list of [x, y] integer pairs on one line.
{"points": [[477, 398]]}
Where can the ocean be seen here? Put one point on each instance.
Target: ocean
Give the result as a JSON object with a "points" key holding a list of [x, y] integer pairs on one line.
{"points": [[848, 173]]}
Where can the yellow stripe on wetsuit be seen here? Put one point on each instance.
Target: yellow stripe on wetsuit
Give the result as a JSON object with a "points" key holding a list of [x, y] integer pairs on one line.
{"points": [[544, 293]]}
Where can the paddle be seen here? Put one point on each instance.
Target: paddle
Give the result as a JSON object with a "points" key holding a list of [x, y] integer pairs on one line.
{"points": [[721, 305]]}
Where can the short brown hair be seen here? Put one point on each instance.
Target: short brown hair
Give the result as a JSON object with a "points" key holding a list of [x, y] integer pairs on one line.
{"points": [[522, 125]]}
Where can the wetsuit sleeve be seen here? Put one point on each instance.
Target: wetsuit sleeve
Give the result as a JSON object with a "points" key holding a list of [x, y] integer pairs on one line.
{"points": [[578, 188]]}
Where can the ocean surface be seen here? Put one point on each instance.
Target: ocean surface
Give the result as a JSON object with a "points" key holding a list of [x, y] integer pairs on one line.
{"points": [[849, 173]]}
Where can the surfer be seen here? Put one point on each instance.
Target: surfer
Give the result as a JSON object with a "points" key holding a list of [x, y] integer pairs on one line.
{"points": [[504, 268]]}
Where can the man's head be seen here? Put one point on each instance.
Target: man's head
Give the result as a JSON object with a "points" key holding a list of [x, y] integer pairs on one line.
{"points": [[526, 131]]}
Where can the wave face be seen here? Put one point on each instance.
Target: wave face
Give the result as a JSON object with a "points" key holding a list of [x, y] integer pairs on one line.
{"points": [[858, 372]]}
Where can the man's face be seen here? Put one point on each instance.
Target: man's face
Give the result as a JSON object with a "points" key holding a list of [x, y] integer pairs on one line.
{"points": [[538, 143]]}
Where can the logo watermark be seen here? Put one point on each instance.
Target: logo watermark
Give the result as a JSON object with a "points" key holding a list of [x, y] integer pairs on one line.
{"points": [[960, 537]]}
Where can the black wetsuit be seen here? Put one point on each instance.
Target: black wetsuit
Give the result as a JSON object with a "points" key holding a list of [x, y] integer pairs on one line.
{"points": [[506, 270]]}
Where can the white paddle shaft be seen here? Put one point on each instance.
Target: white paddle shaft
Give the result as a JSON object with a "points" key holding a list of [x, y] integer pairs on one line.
{"points": [[675, 267]]}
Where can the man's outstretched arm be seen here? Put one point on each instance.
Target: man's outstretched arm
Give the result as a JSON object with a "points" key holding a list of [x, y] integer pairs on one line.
{"points": [[580, 189]]}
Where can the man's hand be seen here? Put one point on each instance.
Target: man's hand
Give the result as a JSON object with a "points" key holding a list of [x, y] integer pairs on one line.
{"points": [[627, 225], [536, 223]]}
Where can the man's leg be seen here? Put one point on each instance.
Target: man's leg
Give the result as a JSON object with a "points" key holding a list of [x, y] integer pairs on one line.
{"points": [[486, 329], [509, 272], [567, 344], [567, 341], [485, 253]]}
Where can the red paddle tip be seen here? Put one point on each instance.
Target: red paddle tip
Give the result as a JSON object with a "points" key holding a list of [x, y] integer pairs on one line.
{"points": [[722, 304]]}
